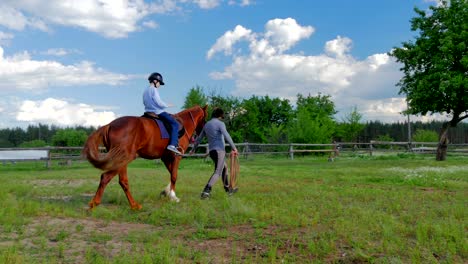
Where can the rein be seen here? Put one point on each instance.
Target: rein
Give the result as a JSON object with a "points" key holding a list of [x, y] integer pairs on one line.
{"points": [[194, 127]]}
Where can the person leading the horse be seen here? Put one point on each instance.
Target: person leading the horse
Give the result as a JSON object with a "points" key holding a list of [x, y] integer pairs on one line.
{"points": [[154, 104], [215, 131]]}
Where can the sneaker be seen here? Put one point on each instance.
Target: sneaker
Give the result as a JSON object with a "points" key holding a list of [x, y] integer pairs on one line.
{"points": [[174, 149], [206, 192], [232, 191], [205, 195]]}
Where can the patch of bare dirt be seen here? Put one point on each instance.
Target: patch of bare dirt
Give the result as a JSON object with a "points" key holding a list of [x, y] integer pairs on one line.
{"points": [[246, 243], [71, 238], [54, 182]]}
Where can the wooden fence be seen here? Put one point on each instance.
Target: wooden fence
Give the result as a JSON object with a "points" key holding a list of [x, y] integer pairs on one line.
{"points": [[66, 155]]}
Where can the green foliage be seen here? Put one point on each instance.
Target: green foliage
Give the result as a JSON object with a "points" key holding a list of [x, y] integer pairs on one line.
{"points": [[252, 119], [435, 65], [5, 143], [351, 126], [231, 107], [33, 144], [69, 138], [16, 136], [320, 105], [314, 121], [196, 96], [422, 135], [384, 138], [248, 122], [277, 134], [308, 129]]}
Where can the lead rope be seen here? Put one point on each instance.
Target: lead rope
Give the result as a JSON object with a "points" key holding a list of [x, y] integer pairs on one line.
{"points": [[233, 169]]}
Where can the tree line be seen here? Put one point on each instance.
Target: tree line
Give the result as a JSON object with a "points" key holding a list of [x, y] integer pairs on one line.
{"points": [[261, 119]]}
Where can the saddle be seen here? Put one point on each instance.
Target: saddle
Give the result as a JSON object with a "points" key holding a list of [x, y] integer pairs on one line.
{"points": [[165, 127]]}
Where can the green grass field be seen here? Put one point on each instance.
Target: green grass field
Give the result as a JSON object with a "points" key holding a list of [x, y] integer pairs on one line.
{"points": [[382, 209]]}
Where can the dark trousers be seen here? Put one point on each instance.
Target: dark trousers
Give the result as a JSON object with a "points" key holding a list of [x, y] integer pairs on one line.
{"points": [[167, 118]]}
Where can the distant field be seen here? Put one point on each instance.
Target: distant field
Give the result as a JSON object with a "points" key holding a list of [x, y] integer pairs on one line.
{"points": [[382, 209]]}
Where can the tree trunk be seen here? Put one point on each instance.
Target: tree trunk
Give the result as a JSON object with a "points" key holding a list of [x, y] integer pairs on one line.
{"points": [[443, 142]]}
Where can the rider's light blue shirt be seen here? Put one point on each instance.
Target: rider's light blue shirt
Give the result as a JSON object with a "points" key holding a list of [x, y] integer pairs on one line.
{"points": [[152, 101]]}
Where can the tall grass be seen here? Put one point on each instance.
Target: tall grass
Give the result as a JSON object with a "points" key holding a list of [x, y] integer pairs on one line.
{"points": [[382, 209]]}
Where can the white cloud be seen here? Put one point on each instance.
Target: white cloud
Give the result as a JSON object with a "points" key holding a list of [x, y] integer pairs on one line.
{"points": [[62, 113], [13, 18], [384, 109], [110, 18], [20, 72], [280, 35], [150, 24], [207, 4], [338, 47], [228, 40], [240, 2], [436, 2], [59, 52], [5, 38], [269, 69], [285, 33], [113, 19]]}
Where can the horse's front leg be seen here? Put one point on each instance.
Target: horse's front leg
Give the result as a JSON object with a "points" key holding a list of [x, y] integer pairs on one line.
{"points": [[172, 164]]}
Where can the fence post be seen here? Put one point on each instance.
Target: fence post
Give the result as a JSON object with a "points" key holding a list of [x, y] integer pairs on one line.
{"points": [[371, 147], [49, 160], [291, 151], [246, 150], [410, 149]]}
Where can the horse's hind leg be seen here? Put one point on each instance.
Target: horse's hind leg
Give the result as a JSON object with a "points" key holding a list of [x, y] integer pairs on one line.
{"points": [[123, 181], [106, 177]]}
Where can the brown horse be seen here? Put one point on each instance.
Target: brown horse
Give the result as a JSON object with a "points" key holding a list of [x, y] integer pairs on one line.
{"points": [[129, 137]]}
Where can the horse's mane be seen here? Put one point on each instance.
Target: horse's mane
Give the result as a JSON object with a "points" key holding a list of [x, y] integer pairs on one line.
{"points": [[185, 111]]}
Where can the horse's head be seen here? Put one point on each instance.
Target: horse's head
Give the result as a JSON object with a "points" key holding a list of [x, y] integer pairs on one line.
{"points": [[194, 118]]}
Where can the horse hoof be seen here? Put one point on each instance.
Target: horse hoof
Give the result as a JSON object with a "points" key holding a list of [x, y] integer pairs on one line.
{"points": [[136, 207], [92, 205], [163, 194]]}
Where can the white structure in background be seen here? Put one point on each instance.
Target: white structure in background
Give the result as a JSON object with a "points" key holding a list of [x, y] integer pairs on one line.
{"points": [[23, 154]]}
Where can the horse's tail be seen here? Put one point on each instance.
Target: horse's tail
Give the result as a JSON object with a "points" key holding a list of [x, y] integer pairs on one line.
{"points": [[111, 160]]}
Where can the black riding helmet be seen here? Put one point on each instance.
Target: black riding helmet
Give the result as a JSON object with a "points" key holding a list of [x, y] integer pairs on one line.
{"points": [[156, 76]]}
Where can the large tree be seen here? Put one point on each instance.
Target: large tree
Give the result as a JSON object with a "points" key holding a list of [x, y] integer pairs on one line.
{"points": [[436, 65], [314, 122], [196, 96], [264, 115], [69, 137], [351, 126]]}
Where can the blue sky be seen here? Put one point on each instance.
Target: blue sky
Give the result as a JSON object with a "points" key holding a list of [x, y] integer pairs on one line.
{"points": [[86, 62]]}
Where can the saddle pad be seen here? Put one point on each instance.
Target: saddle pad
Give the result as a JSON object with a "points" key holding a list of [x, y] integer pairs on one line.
{"points": [[162, 128]]}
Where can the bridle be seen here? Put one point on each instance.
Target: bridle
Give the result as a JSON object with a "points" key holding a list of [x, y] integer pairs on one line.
{"points": [[194, 127]]}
